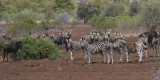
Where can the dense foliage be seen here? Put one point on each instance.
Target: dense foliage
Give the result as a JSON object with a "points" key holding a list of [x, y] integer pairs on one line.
{"points": [[38, 49], [108, 12]]}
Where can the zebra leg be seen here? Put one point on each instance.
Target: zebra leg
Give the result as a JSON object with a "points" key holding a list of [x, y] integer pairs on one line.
{"points": [[157, 52], [120, 57], [112, 57], [89, 56], [85, 53], [146, 52], [154, 52], [104, 57], [108, 57], [140, 56], [71, 54], [127, 56]]}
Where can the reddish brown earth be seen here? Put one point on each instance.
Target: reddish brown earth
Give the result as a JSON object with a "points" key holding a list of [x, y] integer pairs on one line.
{"points": [[65, 69]]}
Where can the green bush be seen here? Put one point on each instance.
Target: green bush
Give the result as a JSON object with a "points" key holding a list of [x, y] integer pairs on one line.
{"points": [[18, 29], [114, 10], [38, 49], [102, 22], [48, 24], [134, 8], [126, 21]]}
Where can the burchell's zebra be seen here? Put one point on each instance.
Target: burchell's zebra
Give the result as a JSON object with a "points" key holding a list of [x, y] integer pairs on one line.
{"points": [[156, 44], [117, 46], [89, 49], [135, 47], [89, 38], [98, 37], [144, 39], [73, 46]]}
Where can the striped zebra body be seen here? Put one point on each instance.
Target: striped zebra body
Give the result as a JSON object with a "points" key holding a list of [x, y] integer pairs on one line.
{"points": [[117, 46], [136, 47], [73, 46], [144, 40], [89, 49]]}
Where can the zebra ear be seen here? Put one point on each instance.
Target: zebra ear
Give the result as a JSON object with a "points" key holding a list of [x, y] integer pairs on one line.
{"points": [[66, 40], [70, 40], [144, 35], [110, 30]]}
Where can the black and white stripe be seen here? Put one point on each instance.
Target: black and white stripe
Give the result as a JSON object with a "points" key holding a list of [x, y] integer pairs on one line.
{"points": [[73, 46], [89, 49]]}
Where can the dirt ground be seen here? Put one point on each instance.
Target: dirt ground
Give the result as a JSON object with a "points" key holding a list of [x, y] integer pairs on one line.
{"points": [[65, 69]]}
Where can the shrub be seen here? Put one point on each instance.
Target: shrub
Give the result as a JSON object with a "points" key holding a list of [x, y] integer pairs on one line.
{"points": [[134, 7], [126, 21], [102, 22], [150, 13], [64, 17], [38, 49], [86, 10], [113, 10], [18, 29], [48, 24]]}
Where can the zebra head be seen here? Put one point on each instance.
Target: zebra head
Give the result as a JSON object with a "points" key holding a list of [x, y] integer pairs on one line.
{"points": [[108, 32], [91, 35], [96, 36], [68, 42], [120, 36], [52, 34], [69, 32], [83, 43]]}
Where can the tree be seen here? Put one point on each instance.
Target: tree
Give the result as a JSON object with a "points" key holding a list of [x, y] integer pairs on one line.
{"points": [[86, 10], [64, 6], [134, 7], [151, 14], [114, 10]]}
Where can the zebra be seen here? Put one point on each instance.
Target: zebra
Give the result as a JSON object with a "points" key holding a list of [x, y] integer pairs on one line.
{"points": [[73, 46], [117, 46], [98, 37], [41, 35], [156, 44], [89, 38], [137, 46], [89, 49], [144, 39]]}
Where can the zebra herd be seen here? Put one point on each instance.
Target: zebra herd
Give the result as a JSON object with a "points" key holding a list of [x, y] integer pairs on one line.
{"points": [[110, 43], [107, 42]]}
